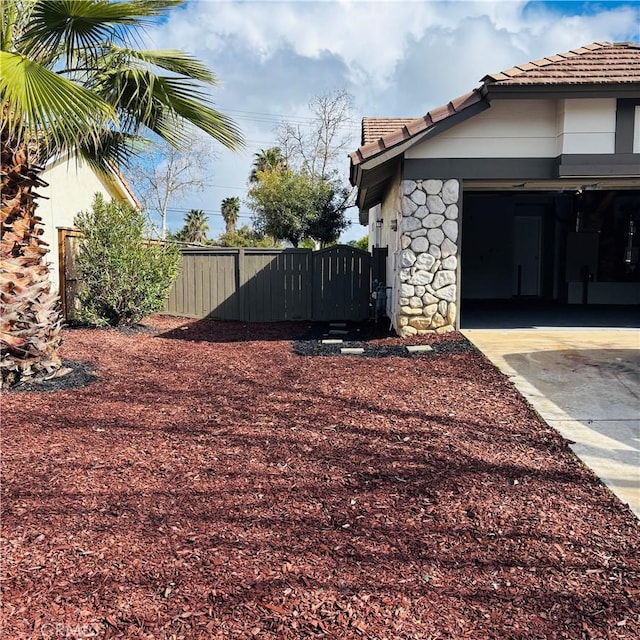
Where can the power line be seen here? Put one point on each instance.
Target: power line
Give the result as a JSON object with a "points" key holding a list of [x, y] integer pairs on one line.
{"points": [[276, 117], [211, 214], [275, 142], [221, 186], [207, 212]]}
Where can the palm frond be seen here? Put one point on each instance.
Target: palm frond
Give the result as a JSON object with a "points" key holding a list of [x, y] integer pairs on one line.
{"points": [[70, 26], [132, 92], [171, 60], [45, 103], [10, 14], [211, 121], [171, 129], [112, 149], [164, 104], [190, 104]]}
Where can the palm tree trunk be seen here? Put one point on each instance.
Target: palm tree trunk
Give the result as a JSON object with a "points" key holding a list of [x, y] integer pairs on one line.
{"points": [[30, 319]]}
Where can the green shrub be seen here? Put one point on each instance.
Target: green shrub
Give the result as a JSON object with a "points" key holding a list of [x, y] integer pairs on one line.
{"points": [[124, 277], [362, 244]]}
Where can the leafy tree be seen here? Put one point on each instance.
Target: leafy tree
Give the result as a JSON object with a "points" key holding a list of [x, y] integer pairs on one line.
{"points": [[307, 243], [124, 277], [329, 221], [291, 205], [265, 161], [362, 243], [195, 227], [162, 172], [245, 236], [74, 80], [305, 197], [230, 208]]}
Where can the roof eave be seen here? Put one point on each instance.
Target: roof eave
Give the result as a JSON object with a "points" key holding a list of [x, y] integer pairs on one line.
{"points": [[574, 90], [358, 171]]}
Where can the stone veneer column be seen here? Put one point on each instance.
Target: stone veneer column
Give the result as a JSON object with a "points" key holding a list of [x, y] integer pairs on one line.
{"points": [[428, 258]]}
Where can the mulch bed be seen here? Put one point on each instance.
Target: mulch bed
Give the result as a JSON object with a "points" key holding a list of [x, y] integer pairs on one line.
{"points": [[213, 483]]}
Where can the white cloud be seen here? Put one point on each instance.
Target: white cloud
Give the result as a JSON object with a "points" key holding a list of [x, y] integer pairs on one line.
{"points": [[395, 58]]}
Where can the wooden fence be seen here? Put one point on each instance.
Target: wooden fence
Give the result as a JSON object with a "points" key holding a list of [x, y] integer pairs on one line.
{"points": [[254, 285], [268, 285]]}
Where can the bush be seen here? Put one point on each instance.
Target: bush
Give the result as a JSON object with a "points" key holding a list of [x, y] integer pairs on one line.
{"points": [[245, 236], [124, 277], [362, 244]]}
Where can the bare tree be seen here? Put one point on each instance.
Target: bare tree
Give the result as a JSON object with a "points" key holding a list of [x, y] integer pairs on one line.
{"points": [[163, 172], [317, 148]]}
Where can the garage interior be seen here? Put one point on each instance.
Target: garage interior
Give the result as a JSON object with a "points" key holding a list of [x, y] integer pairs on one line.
{"points": [[545, 255]]}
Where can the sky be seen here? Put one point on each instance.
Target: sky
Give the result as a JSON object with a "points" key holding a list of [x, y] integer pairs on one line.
{"points": [[396, 59]]}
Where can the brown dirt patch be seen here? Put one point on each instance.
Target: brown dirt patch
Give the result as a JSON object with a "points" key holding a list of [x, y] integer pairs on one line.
{"points": [[214, 484]]}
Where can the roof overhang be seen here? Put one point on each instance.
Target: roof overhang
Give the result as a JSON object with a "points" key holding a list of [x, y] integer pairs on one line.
{"points": [[596, 70], [559, 91], [372, 175], [563, 184]]}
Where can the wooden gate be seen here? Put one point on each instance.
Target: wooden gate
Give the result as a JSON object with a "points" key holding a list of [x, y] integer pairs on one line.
{"points": [[341, 285]]}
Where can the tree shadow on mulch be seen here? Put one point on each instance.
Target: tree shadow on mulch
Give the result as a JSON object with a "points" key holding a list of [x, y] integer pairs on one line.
{"points": [[81, 374], [376, 338], [223, 331], [132, 329]]}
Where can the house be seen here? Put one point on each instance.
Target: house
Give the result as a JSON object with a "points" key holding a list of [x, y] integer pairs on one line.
{"points": [[72, 185], [527, 187]]}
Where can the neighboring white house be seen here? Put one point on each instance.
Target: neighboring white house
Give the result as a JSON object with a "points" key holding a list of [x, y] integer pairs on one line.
{"points": [[72, 188], [526, 187]]}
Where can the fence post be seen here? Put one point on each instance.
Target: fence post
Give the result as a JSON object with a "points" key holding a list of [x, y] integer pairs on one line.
{"points": [[68, 285], [240, 282]]}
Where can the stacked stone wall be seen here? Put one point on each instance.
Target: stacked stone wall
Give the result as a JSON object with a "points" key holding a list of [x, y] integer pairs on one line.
{"points": [[428, 259]]}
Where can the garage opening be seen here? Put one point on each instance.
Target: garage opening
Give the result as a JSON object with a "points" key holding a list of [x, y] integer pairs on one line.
{"points": [[551, 253]]}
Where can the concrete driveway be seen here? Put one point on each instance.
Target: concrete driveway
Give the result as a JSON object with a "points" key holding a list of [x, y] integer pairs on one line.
{"points": [[586, 384]]}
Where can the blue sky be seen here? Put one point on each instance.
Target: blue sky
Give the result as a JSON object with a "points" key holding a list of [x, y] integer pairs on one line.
{"points": [[396, 58], [579, 7]]}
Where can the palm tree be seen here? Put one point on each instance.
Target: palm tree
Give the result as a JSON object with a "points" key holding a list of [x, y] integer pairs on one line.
{"points": [[195, 227], [230, 208], [73, 80], [270, 160]]}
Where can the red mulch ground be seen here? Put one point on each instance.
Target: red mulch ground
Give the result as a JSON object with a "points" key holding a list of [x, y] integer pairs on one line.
{"points": [[214, 484]]}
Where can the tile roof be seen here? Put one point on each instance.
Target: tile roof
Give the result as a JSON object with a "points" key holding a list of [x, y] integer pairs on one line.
{"points": [[397, 130], [597, 63], [374, 128]]}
